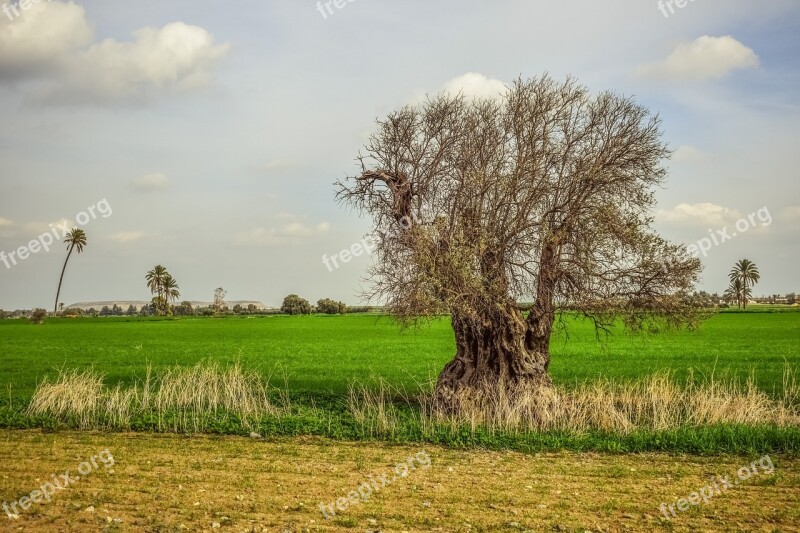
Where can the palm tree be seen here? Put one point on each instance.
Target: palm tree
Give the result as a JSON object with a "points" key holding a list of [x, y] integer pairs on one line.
{"points": [[170, 289], [746, 272], [161, 283], [747, 293], [737, 292], [731, 294], [155, 281], [75, 239]]}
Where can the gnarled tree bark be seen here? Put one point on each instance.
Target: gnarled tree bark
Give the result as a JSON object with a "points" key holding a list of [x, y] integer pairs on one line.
{"points": [[492, 352]]}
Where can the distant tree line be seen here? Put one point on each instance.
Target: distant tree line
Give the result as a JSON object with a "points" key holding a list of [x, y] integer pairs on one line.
{"points": [[324, 306], [292, 305], [165, 292], [295, 305]]}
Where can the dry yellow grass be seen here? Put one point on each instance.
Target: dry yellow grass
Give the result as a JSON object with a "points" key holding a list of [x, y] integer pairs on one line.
{"points": [[183, 398], [163, 482], [657, 402], [188, 399]]}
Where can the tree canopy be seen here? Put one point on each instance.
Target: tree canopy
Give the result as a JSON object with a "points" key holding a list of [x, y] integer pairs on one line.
{"points": [[544, 193]]}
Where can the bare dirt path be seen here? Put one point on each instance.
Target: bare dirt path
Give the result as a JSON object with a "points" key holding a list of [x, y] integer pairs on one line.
{"points": [[174, 483]]}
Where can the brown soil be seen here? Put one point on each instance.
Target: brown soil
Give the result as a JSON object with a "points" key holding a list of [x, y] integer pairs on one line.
{"points": [[175, 483]]}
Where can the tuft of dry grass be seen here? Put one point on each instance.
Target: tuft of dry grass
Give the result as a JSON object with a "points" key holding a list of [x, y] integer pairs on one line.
{"points": [[184, 399], [658, 402], [74, 394], [202, 397], [375, 408]]}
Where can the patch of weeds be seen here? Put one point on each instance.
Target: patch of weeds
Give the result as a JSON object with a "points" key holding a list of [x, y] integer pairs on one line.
{"points": [[617, 471], [610, 506], [346, 521]]}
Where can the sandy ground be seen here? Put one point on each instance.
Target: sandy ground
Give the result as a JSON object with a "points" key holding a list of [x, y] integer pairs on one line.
{"points": [[175, 483]]}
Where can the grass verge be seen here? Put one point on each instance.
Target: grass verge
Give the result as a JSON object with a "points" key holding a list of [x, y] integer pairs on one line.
{"points": [[656, 414]]}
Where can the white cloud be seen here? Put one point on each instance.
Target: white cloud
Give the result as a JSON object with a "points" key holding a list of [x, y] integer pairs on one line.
{"points": [[59, 225], [473, 84], [705, 58], [53, 41], [128, 236], [292, 232], [298, 229], [40, 38], [37, 227], [702, 214], [151, 183], [791, 212], [177, 57], [685, 154], [29, 230], [6, 227]]}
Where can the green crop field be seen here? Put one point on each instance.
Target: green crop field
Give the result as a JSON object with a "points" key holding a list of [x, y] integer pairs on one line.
{"points": [[323, 354]]}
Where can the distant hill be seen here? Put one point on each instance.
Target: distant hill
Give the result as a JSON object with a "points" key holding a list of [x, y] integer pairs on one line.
{"points": [[124, 304]]}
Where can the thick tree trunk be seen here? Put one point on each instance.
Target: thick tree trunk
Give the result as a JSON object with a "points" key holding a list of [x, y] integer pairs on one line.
{"points": [[491, 353], [543, 314], [501, 350]]}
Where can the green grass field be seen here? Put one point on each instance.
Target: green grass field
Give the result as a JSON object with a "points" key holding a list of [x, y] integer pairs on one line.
{"points": [[323, 354], [314, 359]]}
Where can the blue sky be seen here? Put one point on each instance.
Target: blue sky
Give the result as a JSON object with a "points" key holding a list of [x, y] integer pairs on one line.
{"points": [[215, 130]]}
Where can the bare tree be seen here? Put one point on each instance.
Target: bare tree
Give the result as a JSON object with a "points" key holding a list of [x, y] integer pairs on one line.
{"points": [[543, 193], [219, 299]]}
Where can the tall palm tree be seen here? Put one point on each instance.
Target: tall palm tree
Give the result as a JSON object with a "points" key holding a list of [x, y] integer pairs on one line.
{"points": [[75, 240], [155, 281], [170, 289], [746, 272]]}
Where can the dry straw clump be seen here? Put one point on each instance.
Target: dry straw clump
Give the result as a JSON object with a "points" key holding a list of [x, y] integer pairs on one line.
{"points": [[76, 395], [658, 402], [183, 399], [374, 408], [205, 396]]}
